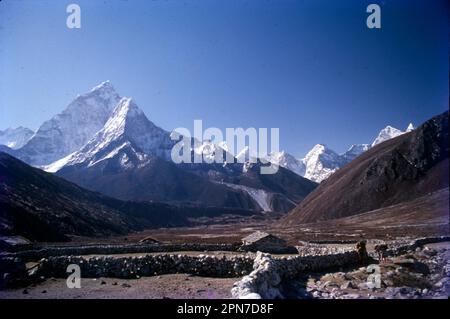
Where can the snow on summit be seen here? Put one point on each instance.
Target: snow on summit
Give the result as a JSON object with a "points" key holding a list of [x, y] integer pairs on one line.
{"points": [[386, 134], [128, 133], [390, 132], [100, 124], [15, 138], [320, 162], [69, 130], [410, 127], [288, 161]]}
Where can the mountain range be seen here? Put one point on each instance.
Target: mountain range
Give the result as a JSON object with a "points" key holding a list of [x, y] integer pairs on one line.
{"points": [[109, 172], [399, 170], [321, 161], [60, 140], [105, 143], [129, 159]]}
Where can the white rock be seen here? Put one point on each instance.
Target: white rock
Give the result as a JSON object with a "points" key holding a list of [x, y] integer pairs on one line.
{"points": [[250, 296]]}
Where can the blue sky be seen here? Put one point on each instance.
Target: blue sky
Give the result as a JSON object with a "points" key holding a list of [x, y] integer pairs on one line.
{"points": [[311, 68]]}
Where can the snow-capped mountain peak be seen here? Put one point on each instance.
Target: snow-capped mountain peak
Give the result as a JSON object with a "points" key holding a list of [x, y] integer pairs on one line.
{"points": [[386, 134], [278, 157], [104, 85], [354, 151], [99, 98], [104, 91], [288, 161], [245, 155], [126, 134], [69, 130], [323, 152], [317, 149], [15, 138], [125, 110], [321, 162], [208, 148], [148, 137], [410, 128]]}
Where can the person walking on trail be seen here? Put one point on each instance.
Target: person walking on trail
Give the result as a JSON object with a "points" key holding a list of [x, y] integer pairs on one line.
{"points": [[362, 252], [381, 252]]}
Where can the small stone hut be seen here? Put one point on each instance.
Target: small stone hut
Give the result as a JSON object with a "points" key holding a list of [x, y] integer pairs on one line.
{"points": [[14, 243], [149, 240], [265, 242]]}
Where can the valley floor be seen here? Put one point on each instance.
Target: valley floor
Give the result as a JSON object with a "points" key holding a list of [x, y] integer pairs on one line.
{"points": [[424, 217], [424, 273], [176, 286]]}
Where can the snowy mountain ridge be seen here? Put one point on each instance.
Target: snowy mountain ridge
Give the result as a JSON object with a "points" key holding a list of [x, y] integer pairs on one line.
{"points": [[127, 131], [100, 124], [320, 162], [124, 155], [15, 138], [69, 130], [386, 134]]}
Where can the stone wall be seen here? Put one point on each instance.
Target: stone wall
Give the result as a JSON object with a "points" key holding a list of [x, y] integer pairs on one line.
{"points": [[400, 249], [148, 265], [46, 252], [263, 275], [268, 274], [310, 250]]}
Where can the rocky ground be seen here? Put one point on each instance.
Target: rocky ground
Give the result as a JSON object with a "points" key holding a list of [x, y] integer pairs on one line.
{"points": [[420, 273], [175, 286], [424, 273]]}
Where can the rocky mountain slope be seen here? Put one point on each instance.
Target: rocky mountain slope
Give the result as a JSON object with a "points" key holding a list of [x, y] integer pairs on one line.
{"points": [[400, 169], [41, 206]]}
